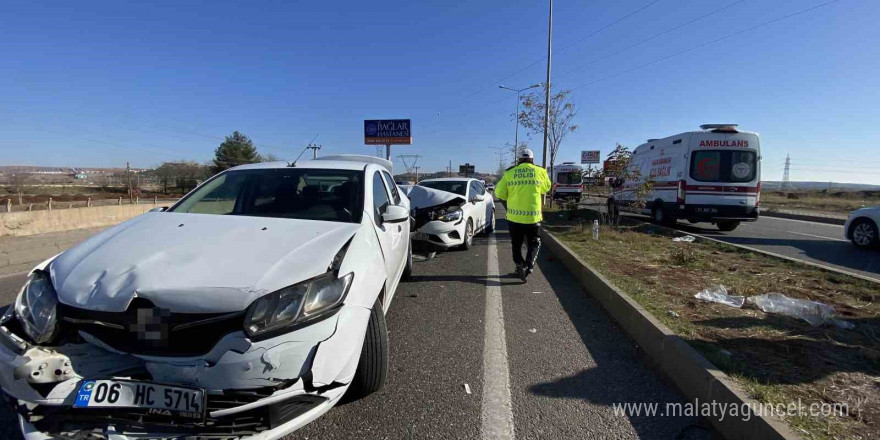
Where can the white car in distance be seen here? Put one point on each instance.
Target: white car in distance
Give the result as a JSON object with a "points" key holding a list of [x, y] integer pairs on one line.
{"points": [[861, 227], [448, 212], [246, 310]]}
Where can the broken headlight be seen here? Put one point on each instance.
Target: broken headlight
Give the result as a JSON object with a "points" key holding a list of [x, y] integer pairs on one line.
{"points": [[296, 304], [451, 216], [37, 306]]}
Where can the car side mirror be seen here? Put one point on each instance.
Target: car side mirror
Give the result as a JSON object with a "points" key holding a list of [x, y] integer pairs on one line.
{"points": [[395, 214], [159, 209], [479, 198]]}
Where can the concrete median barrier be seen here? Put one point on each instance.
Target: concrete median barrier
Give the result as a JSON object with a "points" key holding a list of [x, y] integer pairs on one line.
{"points": [[694, 375], [42, 222]]}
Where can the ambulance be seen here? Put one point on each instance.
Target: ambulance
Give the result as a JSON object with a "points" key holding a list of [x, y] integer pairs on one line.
{"points": [[712, 175], [568, 181]]}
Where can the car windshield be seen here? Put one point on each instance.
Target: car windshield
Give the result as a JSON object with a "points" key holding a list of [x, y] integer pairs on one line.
{"points": [[723, 166], [568, 178], [454, 186], [308, 194]]}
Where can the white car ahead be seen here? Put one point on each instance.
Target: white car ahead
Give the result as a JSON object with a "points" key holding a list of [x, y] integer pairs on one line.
{"points": [[246, 310], [449, 212], [861, 227]]}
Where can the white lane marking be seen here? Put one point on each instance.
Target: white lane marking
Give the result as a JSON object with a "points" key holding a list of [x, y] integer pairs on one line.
{"points": [[497, 411], [817, 236], [800, 221]]}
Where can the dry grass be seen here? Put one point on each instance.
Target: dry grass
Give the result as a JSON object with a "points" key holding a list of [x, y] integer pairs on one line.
{"points": [[821, 201], [777, 359]]}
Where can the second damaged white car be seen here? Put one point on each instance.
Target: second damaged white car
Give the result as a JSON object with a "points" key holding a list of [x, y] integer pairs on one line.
{"points": [[246, 310]]}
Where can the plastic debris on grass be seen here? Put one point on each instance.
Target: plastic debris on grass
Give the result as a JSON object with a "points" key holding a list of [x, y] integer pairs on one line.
{"points": [[718, 294], [815, 313], [686, 238]]}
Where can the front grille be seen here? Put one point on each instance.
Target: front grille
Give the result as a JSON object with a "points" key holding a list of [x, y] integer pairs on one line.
{"points": [[147, 330], [87, 423]]}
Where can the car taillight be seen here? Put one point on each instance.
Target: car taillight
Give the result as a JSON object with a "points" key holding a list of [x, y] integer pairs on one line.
{"points": [[681, 192], [758, 195]]}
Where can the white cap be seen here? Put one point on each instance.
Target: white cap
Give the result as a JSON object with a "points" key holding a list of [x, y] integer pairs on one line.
{"points": [[526, 154]]}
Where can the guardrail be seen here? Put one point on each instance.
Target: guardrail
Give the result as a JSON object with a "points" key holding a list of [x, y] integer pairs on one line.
{"points": [[9, 205]]}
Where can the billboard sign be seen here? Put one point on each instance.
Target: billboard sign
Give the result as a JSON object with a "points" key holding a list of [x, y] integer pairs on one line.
{"points": [[589, 156], [387, 132], [466, 169]]}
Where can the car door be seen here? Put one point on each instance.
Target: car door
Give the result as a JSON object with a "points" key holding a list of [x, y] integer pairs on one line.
{"points": [[393, 237], [478, 211]]}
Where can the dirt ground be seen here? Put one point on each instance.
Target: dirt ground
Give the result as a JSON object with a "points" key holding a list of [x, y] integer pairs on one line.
{"points": [[777, 359], [834, 202]]}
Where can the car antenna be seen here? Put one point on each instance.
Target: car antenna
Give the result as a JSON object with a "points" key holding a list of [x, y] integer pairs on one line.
{"points": [[293, 164]]}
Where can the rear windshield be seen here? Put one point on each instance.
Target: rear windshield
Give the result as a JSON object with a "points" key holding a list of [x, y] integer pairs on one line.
{"points": [[330, 195], [454, 186], [723, 166], [569, 178]]}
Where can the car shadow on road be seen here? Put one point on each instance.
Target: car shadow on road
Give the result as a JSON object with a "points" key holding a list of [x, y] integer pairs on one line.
{"points": [[621, 374]]}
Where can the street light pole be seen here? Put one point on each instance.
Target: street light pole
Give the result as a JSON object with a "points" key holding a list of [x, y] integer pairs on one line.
{"points": [[516, 115], [547, 91]]}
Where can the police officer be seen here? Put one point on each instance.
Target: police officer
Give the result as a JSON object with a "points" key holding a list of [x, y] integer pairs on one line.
{"points": [[523, 187]]}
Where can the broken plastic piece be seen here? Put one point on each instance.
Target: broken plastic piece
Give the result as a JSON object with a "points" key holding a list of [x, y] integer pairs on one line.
{"points": [[718, 294], [686, 238], [533, 330], [467, 388], [815, 313]]}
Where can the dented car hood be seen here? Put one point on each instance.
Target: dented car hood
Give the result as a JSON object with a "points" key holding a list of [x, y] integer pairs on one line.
{"points": [[195, 263], [423, 197]]}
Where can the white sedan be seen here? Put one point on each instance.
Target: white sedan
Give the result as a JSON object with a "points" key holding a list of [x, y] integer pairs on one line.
{"points": [[861, 227], [246, 310], [449, 212]]}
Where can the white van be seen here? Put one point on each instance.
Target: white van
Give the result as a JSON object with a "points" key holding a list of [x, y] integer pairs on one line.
{"points": [[713, 175], [568, 181]]}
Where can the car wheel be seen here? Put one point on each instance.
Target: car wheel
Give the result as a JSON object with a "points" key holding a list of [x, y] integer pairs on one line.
{"points": [[468, 235], [727, 226], [372, 367], [490, 225], [864, 233], [658, 215], [408, 269]]}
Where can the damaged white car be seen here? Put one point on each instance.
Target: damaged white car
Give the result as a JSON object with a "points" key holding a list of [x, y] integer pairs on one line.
{"points": [[246, 310], [449, 212]]}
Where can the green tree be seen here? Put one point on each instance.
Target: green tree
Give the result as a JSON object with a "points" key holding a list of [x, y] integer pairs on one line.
{"points": [[562, 112], [236, 150]]}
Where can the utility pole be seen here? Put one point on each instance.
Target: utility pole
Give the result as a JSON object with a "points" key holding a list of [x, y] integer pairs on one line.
{"points": [[128, 172], [450, 168], [501, 153], [547, 91], [417, 173], [785, 176], [314, 148]]}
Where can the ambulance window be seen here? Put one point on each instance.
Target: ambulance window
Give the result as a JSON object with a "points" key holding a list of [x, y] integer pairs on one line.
{"points": [[706, 166], [743, 166], [677, 141]]}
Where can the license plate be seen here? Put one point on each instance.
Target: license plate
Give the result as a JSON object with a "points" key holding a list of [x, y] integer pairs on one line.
{"points": [[420, 236], [156, 399]]}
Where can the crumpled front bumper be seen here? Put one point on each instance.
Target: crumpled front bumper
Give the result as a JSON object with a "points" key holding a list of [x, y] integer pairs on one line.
{"points": [[438, 235], [311, 367]]}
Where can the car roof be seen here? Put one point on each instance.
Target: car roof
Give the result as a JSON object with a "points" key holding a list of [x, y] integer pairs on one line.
{"points": [[448, 179], [308, 164]]}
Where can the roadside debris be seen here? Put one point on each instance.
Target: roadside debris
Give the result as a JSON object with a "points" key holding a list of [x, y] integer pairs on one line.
{"points": [[815, 313], [467, 388], [718, 294], [672, 313], [595, 229], [686, 238], [533, 330]]}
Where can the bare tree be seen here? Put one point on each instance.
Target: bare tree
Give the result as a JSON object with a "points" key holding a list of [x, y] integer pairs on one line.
{"points": [[624, 176], [562, 112]]}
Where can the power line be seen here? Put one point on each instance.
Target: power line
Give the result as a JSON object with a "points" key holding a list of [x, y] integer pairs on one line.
{"points": [[578, 41], [655, 36], [700, 46]]}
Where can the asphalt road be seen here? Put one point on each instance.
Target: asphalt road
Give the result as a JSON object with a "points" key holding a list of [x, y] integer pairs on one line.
{"points": [[809, 241], [566, 361]]}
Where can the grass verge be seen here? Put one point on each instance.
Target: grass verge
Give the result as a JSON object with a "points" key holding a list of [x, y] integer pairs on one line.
{"points": [[777, 359]]}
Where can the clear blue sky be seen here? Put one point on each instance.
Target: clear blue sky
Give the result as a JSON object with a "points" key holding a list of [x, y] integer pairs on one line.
{"points": [[102, 83]]}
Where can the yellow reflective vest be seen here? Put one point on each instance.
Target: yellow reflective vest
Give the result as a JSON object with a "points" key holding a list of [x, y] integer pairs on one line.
{"points": [[522, 186]]}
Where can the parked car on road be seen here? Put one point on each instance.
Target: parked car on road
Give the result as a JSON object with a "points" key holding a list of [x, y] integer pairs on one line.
{"points": [[861, 227], [246, 310], [448, 213]]}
